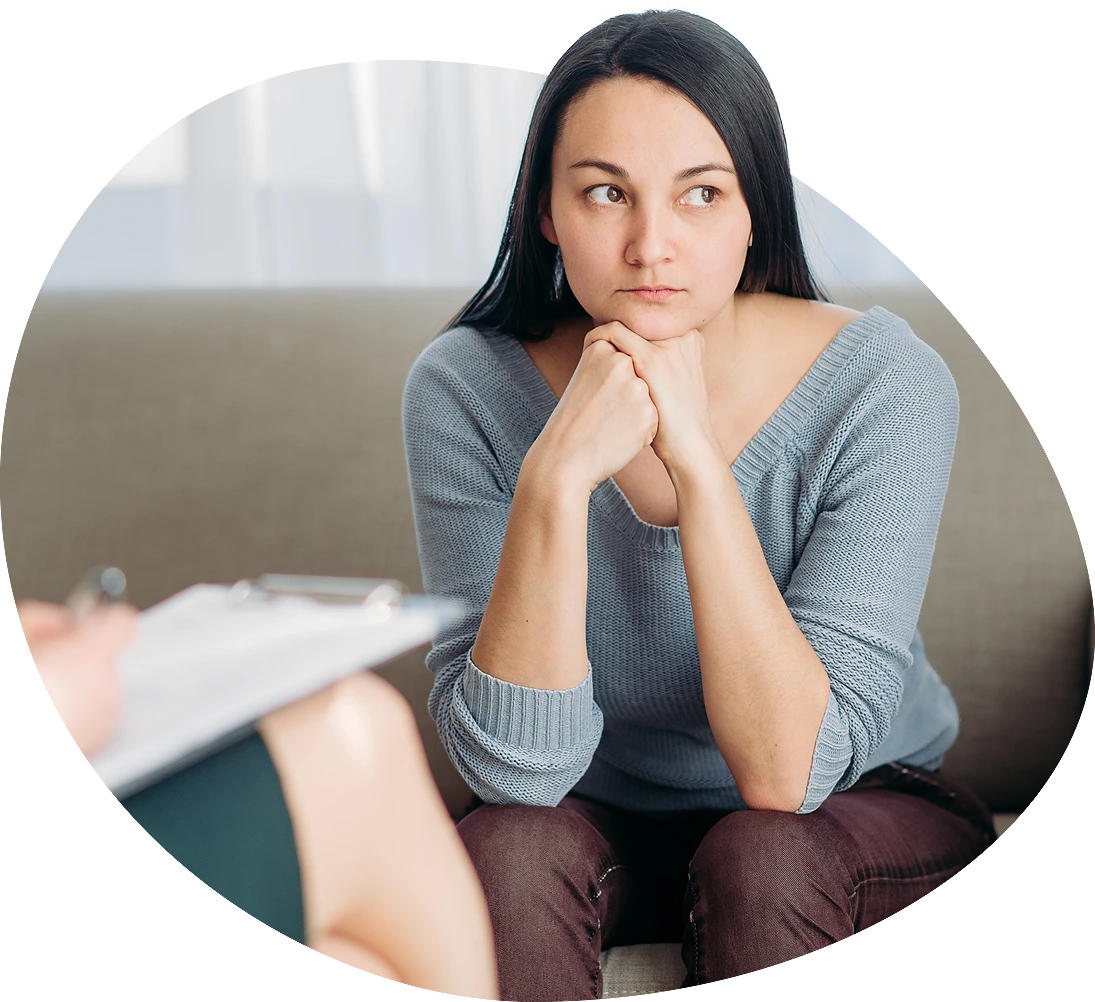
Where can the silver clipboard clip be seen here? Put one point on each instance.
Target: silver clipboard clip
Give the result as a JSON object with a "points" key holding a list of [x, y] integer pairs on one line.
{"points": [[379, 597]]}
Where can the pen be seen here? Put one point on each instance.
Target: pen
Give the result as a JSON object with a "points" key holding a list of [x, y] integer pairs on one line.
{"points": [[99, 586]]}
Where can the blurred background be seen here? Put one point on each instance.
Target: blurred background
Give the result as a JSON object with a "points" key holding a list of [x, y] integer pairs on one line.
{"points": [[209, 386], [377, 174]]}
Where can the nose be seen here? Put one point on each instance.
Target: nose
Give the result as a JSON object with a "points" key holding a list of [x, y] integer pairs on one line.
{"points": [[649, 239]]}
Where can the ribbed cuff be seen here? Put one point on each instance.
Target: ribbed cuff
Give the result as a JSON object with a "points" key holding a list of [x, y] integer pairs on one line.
{"points": [[832, 753], [539, 719]]}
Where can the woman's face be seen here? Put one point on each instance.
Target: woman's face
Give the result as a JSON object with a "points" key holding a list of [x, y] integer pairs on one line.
{"points": [[646, 209]]}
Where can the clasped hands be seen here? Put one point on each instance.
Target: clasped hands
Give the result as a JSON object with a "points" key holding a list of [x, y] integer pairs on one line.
{"points": [[628, 393]]}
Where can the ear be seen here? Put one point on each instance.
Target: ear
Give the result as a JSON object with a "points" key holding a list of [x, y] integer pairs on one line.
{"points": [[547, 227]]}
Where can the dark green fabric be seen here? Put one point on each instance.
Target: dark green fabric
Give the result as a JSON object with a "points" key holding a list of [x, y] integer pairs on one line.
{"points": [[224, 818]]}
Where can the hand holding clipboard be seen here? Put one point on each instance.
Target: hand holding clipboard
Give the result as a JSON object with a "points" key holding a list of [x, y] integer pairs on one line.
{"points": [[211, 660]]}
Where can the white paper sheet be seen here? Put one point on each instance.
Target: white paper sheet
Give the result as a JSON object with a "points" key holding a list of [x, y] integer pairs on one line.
{"points": [[203, 667]]}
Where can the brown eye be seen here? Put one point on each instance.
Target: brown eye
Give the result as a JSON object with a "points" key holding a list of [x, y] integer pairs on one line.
{"points": [[606, 193], [701, 195]]}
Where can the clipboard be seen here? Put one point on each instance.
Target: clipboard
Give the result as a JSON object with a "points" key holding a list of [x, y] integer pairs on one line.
{"points": [[210, 661]]}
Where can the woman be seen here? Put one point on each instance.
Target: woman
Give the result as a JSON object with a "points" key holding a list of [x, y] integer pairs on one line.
{"points": [[691, 508], [287, 823]]}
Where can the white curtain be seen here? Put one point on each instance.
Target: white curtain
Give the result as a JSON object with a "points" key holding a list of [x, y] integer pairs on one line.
{"points": [[384, 173], [387, 173]]}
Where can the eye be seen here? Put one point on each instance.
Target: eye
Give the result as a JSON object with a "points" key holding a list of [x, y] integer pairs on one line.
{"points": [[700, 195], [606, 194]]}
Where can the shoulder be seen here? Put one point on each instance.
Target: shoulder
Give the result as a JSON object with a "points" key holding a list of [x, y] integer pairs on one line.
{"points": [[465, 362], [853, 350], [891, 385], [891, 355], [477, 380], [799, 327], [460, 352], [826, 319]]}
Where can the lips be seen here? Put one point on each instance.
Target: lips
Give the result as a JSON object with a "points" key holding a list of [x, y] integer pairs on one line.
{"points": [[653, 293]]}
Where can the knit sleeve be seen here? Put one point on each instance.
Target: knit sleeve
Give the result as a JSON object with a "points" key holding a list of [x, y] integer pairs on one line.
{"points": [[511, 743], [857, 589]]}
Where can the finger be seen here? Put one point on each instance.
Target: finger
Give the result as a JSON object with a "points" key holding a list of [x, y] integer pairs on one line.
{"points": [[78, 669], [108, 628], [625, 339], [101, 636], [43, 619], [595, 335], [615, 333], [592, 339], [85, 653]]}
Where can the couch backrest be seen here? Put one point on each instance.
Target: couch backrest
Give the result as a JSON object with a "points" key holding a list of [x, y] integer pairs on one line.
{"points": [[213, 435]]}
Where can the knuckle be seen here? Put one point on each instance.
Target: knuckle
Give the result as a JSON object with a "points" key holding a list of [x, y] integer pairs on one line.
{"points": [[620, 366]]}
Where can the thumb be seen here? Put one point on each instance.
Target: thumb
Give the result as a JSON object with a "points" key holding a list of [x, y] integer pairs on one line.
{"points": [[108, 628], [79, 673], [43, 619]]}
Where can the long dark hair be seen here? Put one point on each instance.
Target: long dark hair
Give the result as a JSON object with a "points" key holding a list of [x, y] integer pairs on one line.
{"points": [[527, 292]]}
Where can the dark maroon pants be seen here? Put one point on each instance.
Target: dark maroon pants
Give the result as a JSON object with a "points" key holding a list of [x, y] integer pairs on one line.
{"points": [[742, 891]]}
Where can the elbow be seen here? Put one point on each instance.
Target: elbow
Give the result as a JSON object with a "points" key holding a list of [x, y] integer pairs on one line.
{"points": [[772, 794], [772, 800], [774, 782]]}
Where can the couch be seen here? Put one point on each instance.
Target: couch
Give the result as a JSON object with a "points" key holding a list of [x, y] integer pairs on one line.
{"points": [[217, 434]]}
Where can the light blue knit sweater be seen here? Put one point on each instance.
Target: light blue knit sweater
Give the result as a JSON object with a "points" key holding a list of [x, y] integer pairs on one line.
{"points": [[844, 485]]}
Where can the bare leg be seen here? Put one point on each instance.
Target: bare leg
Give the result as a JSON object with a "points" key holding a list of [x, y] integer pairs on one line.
{"points": [[353, 953], [387, 884]]}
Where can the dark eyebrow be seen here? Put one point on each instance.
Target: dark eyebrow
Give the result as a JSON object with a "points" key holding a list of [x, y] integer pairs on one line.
{"points": [[618, 171]]}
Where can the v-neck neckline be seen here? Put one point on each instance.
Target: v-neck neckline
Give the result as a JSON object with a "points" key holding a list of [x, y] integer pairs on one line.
{"points": [[756, 456]]}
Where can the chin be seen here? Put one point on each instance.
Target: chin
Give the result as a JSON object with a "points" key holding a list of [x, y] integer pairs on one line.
{"points": [[655, 324], [651, 320]]}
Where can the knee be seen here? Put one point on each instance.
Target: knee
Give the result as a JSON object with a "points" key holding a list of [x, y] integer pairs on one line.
{"points": [[764, 886], [766, 857], [354, 731], [369, 717], [525, 850], [370, 704]]}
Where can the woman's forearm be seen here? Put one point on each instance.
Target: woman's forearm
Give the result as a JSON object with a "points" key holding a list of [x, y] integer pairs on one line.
{"points": [[765, 689], [533, 631]]}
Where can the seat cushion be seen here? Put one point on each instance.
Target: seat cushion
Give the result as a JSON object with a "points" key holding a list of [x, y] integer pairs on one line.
{"points": [[640, 969]]}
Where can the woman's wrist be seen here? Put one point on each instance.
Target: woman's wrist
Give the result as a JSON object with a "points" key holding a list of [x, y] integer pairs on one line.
{"points": [[698, 468], [549, 474]]}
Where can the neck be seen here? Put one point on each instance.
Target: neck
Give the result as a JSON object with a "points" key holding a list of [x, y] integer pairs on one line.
{"points": [[727, 337]]}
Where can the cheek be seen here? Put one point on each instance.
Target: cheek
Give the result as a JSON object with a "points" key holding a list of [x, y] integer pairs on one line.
{"points": [[734, 229], [587, 254], [738, 226], [721, 262]]}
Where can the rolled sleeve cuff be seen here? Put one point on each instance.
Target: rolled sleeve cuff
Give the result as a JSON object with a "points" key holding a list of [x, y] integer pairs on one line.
{"points": [[832, 756], [536, 719]]}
